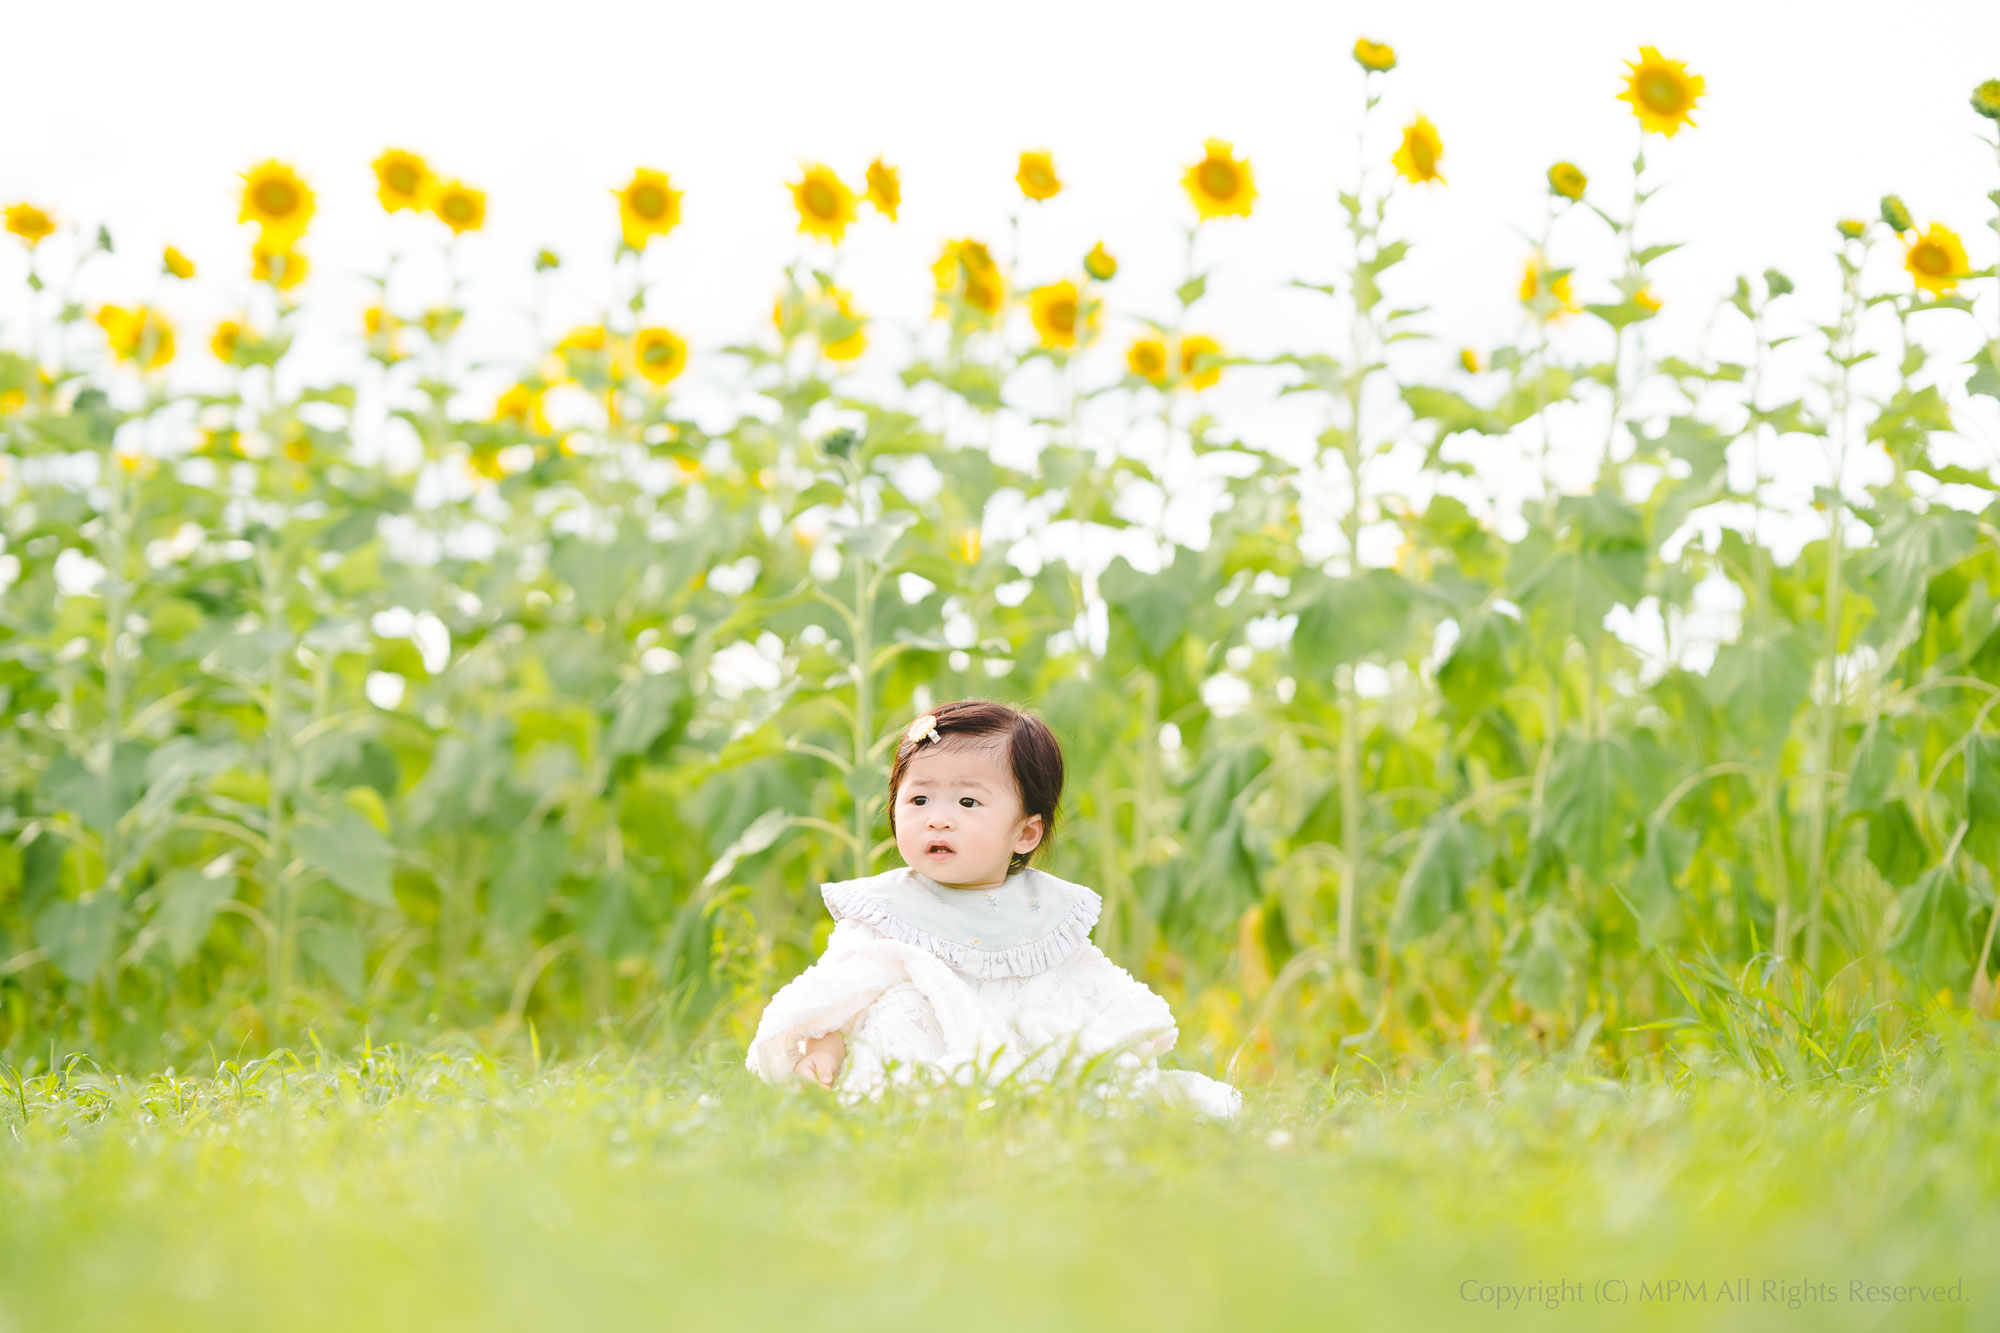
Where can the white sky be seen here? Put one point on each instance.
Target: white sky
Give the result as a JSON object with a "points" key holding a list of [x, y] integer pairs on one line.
{"points": [[142, 116]]}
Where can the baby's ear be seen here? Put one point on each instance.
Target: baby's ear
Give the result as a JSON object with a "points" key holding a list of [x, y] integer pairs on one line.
{"points": [[1031, 834]]}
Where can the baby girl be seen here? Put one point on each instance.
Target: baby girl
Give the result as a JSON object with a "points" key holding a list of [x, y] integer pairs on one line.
{"points": [[967, 953]]}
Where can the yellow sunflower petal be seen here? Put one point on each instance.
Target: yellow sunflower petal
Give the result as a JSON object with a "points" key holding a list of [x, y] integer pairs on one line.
{"points": [[1054, 311], [459, 206], [1100, 264], [885, 190], [848, 346], [1147, 358], [1936, 260], [1037, 176], [1375, 57], [1417, 160], [1221, 184], [1192, 348], [1661, 91], [825, 204], [29, 223], [277, 200], [660, 355], [402, 180], [647, 207]]}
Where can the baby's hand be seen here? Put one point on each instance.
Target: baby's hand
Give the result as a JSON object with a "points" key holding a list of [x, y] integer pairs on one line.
{"points": [[821, 1062]]}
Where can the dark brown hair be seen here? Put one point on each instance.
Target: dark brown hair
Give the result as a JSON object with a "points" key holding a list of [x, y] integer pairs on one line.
{"points": [[1032, 753]]}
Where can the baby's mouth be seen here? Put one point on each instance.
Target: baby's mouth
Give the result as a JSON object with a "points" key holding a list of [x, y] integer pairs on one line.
{"points": [[939, 849]]}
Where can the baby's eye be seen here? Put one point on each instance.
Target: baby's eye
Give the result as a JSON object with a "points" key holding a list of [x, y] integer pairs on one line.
{"points": [[967, 802], [918, 800]]}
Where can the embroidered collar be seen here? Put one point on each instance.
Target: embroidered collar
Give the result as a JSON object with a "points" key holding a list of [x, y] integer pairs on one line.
{"points": [[1029, 923]]}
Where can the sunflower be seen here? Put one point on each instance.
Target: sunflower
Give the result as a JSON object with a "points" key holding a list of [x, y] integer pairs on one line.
{"points": [[402, 180], [1053, 309], [1147, 358], [1936, 260], [1661, 91], [1037, 176], [1375, 57], [1193, 347], [885, 191], [29, 223], [523, 407], [1417, 159], [966, 269], [1099, 263], [280, 265], [648, 207], [177, 263], [1852, 229], [1567, 179], [1220, 185], [459, 206], [848, 346], [824, 202], [1896, 215], [1540, 293], [278, 201], [140, 335], [660, 355], [223, 342]]}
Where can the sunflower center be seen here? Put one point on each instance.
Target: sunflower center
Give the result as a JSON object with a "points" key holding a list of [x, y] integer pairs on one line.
{"points": [[276, 198], [402, 178], [1931, 259], [1218, 178], [1061, 315], [1422, 155], [1663, 93], [649, 201], [458, 207], [658, 353], [819, 200]]}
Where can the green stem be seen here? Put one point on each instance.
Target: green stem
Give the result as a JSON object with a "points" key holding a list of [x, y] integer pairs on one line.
{"points": [[864, 689], [269, 576], [1829, 732], [115, 521]]}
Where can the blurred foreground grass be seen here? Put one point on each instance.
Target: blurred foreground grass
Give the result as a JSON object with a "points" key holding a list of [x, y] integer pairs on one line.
{"points": [[447, 1189]]}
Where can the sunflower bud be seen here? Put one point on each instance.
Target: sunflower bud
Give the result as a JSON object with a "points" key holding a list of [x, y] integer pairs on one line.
{"points": [[1897, 216], [1469, 358], [1375, 57], [546, 260], [1777, 283], [1986, 99], [1567, 179], [840, 443], [1099, 263], [1852, 229]]}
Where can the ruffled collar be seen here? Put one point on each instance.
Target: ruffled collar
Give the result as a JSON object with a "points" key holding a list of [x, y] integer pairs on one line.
{"points": [[1028, 924]]}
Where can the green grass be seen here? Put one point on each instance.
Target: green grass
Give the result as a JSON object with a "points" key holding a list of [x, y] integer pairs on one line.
{"points": [[447, 1189]]}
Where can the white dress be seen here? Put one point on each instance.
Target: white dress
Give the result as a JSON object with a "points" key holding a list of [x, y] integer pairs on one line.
{"points": [[1002, 983]]}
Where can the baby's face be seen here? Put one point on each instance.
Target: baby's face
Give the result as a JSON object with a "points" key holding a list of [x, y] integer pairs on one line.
{"points": [[958, 814]]}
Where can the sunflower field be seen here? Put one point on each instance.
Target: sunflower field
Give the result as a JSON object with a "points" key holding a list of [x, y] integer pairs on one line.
{"points": [[547, 725]]}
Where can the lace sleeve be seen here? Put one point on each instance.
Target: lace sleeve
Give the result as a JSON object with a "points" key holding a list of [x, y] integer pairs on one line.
{"points": [[828, 996]]}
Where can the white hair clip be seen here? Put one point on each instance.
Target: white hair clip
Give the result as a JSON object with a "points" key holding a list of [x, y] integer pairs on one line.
{"points": [[925, 726]]}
